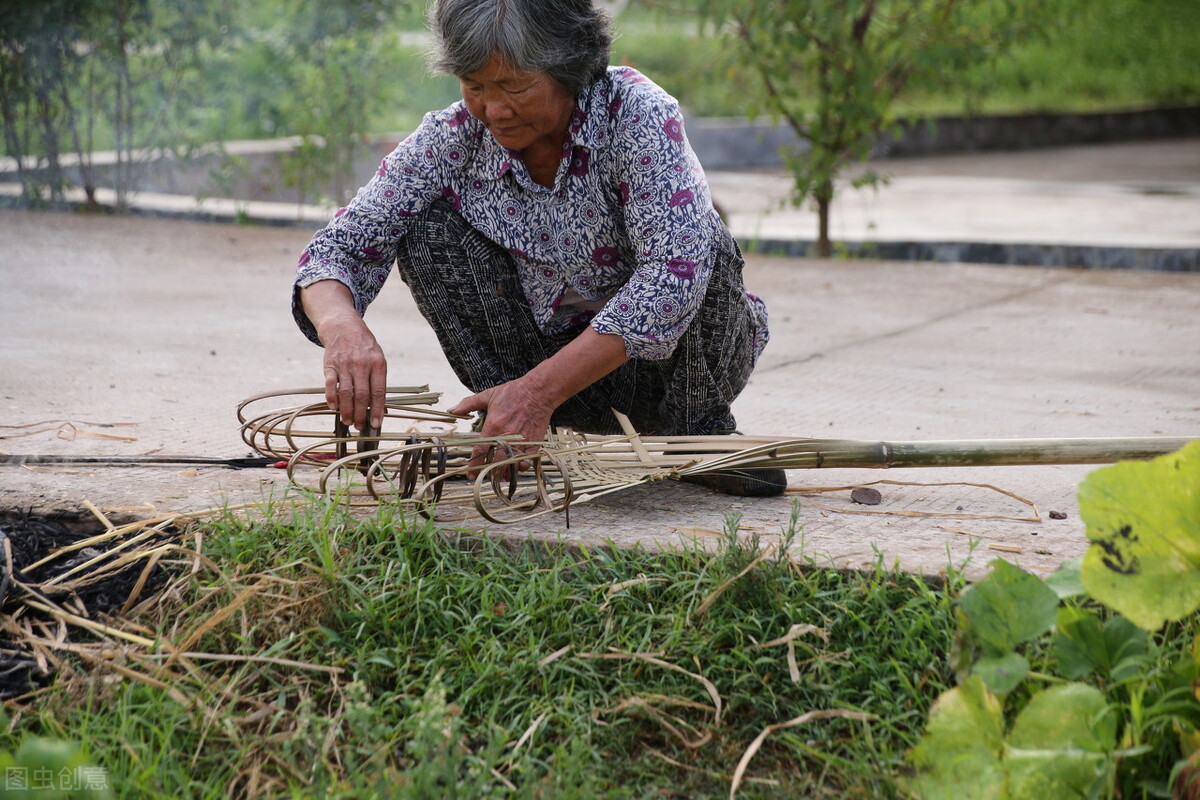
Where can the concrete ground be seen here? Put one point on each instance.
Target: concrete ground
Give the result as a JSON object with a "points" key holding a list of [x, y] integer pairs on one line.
{"points": [[1133, 194], [129, 335]]}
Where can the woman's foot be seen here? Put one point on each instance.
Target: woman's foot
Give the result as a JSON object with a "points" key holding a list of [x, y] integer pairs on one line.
{"points": [[742, 482]]}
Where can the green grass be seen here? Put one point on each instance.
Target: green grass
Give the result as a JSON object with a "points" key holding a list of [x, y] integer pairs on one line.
{"points": [[380, 657], [445, 646], [1114, 55]]}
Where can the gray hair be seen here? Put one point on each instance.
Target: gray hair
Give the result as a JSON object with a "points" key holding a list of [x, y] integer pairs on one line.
{"points": [[566, 39]]}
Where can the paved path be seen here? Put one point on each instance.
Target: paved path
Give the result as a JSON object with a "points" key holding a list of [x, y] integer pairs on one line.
{"points": [[1143, 195], [161, 326]]}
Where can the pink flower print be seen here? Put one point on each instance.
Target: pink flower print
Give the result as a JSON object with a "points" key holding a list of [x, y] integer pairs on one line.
{"points": [[605, 256], [682, 268], [449, 194], [681, 198], [518, 253], [578, 117], [372, 253], [339, 212], [673, 129], [383, 168], [622, 193], [460, 116], [614, 107], [304, 257], [579, 162]]}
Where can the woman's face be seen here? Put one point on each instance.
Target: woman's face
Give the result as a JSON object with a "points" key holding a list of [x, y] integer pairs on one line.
{"points": [[520, 109]]}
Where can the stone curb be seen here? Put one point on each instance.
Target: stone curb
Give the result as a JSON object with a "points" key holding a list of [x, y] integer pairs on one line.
{"points": [[1156, 259]]}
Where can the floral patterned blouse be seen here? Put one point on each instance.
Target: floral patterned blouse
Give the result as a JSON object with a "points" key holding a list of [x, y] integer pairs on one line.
{"points": [[624, 239]]}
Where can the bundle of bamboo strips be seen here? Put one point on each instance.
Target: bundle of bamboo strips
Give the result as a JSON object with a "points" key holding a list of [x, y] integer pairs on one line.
{"points": [[428, 469]]}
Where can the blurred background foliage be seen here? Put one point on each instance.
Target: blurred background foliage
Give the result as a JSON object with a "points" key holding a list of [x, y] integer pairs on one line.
{"points": [[78, 76]]}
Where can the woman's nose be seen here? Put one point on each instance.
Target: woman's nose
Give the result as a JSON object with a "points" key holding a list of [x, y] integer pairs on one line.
{"points": [[497, 109]]}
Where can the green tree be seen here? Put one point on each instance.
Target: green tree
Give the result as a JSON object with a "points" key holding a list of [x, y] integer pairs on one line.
{"points": [[39, 66], [833, 69], [73, 72]]}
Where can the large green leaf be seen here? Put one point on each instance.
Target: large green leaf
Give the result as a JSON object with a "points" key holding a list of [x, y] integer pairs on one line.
{"points": [[1143, 519], [1060, 746], [1002, 673], [1067, 580], [959, 756], [1071, 716], [1115, 648], [1009, 606]]}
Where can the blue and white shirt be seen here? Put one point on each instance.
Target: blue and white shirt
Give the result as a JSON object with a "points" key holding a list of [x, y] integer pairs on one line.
{"points": [[624, 240]]}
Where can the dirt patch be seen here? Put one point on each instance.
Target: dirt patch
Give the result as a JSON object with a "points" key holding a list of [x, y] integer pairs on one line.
{"points": [[54, 567]]}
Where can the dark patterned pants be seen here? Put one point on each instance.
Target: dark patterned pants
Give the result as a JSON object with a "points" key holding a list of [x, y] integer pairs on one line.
{"points": [[467, 287]]}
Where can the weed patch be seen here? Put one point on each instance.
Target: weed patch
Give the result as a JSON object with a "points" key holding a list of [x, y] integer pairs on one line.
{"points": [[312, 653]]}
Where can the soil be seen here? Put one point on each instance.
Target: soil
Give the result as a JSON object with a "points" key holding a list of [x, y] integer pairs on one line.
{"points": [[27, 539]]}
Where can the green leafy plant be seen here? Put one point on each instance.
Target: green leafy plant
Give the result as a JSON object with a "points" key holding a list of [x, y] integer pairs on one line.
{"points": [[1116, 712], [40, 768]]}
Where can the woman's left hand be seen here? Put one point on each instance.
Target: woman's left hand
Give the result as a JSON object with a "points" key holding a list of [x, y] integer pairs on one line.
{"points": [[512, 408], [524, 406]]}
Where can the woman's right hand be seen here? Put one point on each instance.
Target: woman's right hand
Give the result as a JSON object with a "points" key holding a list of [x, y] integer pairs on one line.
{"points": [[355, 366]]}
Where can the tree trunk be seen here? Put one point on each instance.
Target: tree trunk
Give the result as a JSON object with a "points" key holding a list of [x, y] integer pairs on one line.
{"points": [[17, 146], [824, 198]]}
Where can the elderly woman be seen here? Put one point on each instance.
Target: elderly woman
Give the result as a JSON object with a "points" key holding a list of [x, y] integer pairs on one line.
{"points": [[556, 231]]}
